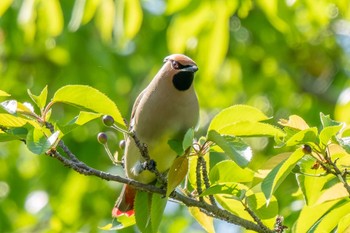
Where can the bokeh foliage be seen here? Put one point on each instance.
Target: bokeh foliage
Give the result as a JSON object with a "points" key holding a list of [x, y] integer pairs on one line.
{"points": [[283, 57]]}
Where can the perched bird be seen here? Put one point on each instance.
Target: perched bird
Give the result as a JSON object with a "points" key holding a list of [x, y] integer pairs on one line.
{"points": [[164, 110]]}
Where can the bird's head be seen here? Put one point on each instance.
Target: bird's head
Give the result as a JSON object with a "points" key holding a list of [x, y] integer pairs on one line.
{"points": [[181, 69]]}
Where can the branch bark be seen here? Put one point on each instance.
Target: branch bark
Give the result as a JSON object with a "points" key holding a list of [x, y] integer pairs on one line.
{"points": [[72, 162]]}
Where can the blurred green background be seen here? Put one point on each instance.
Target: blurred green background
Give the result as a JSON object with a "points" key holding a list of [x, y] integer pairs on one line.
{"points": [[283, 57]]}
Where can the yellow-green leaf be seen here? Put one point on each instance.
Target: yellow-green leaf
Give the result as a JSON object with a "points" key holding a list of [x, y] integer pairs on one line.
{"points": [[236, 113], [204, 220], [86, 97], [177, 173], [4, 94], [295, 122]]}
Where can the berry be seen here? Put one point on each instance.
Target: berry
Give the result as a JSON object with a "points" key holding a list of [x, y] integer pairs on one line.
{"points": [[307, 149], [122, 144], [107, 120], [102, 138]]}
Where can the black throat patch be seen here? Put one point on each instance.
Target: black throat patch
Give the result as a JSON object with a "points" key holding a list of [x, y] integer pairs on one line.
{"points": [[183, 80]]}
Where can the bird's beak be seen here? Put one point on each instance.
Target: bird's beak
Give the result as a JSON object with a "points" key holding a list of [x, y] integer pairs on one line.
{"points": [[190, 69]]}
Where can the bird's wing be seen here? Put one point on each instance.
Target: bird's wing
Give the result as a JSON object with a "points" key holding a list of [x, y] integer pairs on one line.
{"points": [[134, 107]]}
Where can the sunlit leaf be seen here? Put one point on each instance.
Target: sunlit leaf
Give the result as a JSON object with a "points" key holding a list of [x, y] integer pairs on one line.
{"points": [[330, 221], [295, 122], [8, 120], [342, 108], [344, 224], [327, 121], [89, 10], [334, 192], [235, 150], [81, 119], [307, 136], [4, 5], [89, 98], [311, 180], [133, 17], [251, 129], [235, 190], [3, 93], [267, 213], [177, 173], [52, 17], [278, 174], [157, 209], [40, 99], [229, 171], [329, 132], [105, 18], [234, 114], [309, 215], [204, 220]]}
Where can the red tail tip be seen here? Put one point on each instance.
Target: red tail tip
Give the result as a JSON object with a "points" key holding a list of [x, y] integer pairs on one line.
{"points": [[117, 213]]}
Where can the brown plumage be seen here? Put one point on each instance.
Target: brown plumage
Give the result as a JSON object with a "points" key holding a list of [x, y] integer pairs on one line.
{"points": [[164, 110]]}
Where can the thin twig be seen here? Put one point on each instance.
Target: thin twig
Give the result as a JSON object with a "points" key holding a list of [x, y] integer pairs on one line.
{"points": [[214, 211], [206, 178]]}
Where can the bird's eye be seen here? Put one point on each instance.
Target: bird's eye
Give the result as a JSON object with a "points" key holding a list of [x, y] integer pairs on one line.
{"points": [[176, 65]]}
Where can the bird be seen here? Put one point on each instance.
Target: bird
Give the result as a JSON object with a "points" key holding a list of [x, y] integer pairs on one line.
{"points": [[164, 110]]}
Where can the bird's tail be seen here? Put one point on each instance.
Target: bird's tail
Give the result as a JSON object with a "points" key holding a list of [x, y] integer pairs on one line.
{"points": [[125, 202]]}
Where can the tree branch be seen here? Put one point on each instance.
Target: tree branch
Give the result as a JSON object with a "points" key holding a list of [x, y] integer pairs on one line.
{"points": [[211, 210]]}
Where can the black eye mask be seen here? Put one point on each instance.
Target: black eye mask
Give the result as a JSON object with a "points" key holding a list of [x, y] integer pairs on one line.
{"points": [[183, 80]]}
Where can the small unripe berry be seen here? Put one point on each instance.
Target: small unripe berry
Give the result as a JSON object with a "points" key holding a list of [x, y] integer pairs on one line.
{"points": [[102, 138], [108, 120], [306, 149], [122, 144]]}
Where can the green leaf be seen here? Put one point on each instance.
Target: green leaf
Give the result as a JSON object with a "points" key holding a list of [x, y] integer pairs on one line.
{"points": [[307, 136], [204, 220], [133, 18], [177, 173], [8, 120], [329, 132], [344, 224], [13, 134], [229, 171], [309, 215], [233, 148], [235, 190], [251, 129], [89, 98], [142, 211], [81, 119], [176, 146], [294, 122], [41, 99], [37, 142], [331, 219], [279, 173], [310, 181], [234, 114], [157, 210], [3, 93], [188, 139], [327, 121], [267, 213]]}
